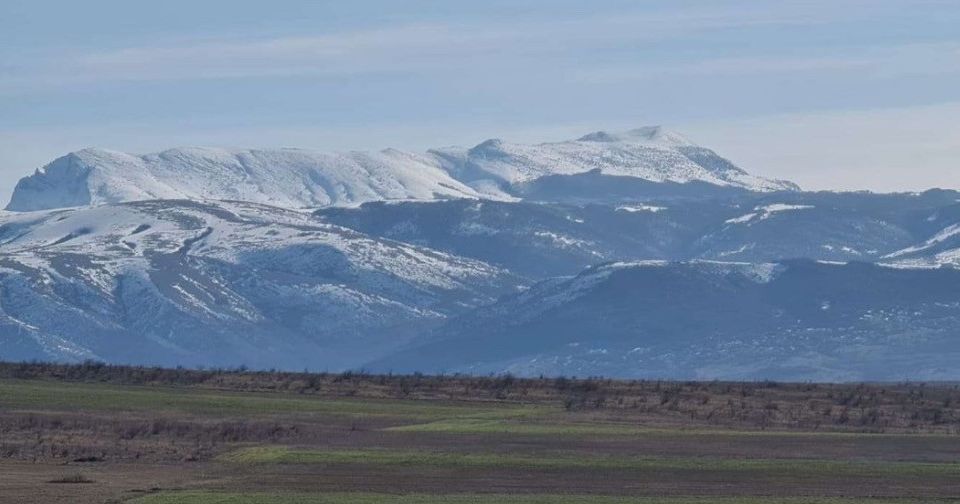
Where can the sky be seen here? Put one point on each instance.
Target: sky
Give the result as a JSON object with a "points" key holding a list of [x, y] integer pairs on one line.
{"points": [[838, 94]]}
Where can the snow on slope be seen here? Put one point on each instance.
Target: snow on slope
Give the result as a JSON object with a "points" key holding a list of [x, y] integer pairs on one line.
{"points": [[290, 178], [765, 212], [295, 178], [939, 238], [218, 284], [650, 153]]}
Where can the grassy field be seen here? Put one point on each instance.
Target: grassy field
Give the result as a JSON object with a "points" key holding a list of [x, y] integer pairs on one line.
{"points": [[806, 467], [102, 434], [47, 395], [587, 462], [540, 424]]}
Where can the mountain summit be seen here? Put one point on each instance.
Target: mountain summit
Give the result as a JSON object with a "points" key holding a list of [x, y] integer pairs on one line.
{"points": [[650, 153], [298, 178]]}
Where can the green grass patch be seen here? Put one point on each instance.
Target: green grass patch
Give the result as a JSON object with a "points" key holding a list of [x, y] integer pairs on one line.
{"points": [[547, 425], [497, 426], [41, 395], [370, 498], [794, 467]]}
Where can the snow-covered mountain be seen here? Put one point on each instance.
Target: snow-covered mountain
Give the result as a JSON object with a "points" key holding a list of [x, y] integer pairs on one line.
{"points": [[180, 282], [291, 178], [229, 283], [296, 178], [648, 256], [794, 320]]}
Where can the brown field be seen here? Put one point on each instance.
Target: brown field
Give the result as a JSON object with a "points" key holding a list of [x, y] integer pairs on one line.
{"points": [[93, 433]]}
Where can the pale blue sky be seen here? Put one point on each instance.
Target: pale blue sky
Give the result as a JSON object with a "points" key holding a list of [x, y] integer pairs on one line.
{"points": [[831, 94]]}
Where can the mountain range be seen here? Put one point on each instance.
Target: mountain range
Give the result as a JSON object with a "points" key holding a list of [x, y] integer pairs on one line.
{"points": [[633, 254]]}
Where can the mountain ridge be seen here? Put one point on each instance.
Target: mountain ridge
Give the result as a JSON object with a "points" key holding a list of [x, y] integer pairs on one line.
{"points": [[303, 178]]}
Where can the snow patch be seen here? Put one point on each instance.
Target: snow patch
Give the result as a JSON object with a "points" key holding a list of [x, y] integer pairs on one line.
{"points": [[941, 236], [640, 208], [765, 212]]}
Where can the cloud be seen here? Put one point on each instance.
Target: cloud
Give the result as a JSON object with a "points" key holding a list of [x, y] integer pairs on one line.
{"points": [[435, 46], [341, 53], [882, 61]]}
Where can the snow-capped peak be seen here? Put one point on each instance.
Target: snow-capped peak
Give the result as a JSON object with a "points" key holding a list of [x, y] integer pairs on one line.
{"points": [[651, 153], [301, 178]]}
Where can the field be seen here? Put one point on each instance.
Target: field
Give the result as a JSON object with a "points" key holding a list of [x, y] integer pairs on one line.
{"points": [[93, 433]]}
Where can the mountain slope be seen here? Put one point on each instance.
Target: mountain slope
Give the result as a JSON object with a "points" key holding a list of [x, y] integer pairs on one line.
{"points": [[295, 178], [229, 283], [179, 282], [941, 244], [796, 320], [539, 240]]}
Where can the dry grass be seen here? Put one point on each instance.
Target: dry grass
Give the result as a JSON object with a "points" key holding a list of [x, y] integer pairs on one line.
{"points": [[904, 407]]}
